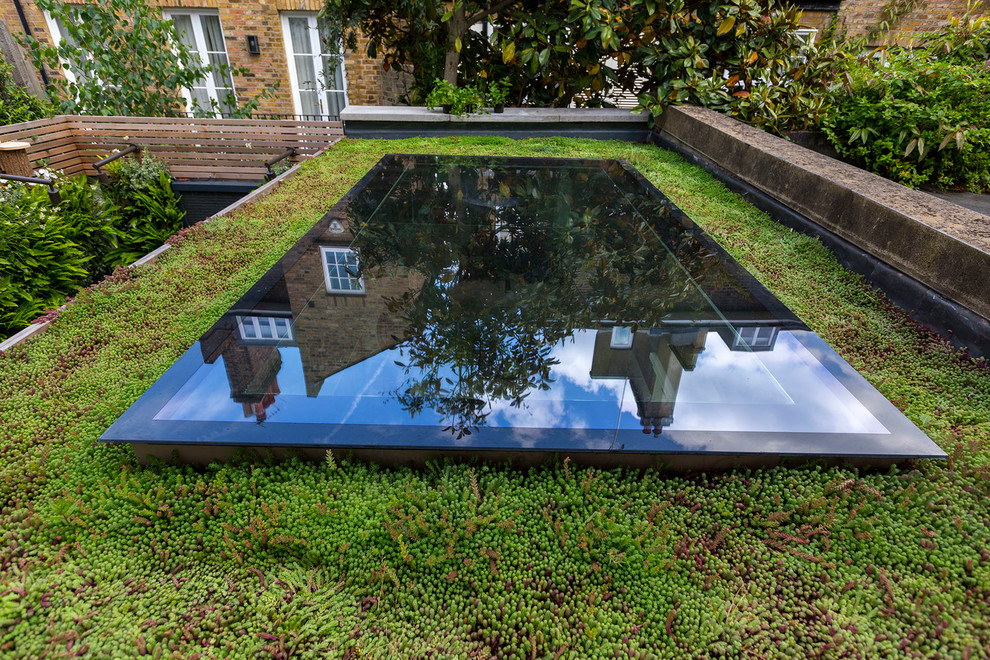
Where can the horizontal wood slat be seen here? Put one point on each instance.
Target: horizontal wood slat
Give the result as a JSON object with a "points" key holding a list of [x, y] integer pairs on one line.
{"points": [[193, 148]]}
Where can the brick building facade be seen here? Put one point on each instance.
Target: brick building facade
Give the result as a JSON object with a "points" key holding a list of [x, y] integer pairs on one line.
{"points": [[858, 17], [364, 80]]}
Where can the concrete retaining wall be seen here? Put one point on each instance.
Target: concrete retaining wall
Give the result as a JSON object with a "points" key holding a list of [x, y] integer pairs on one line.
{"points": [[939, 245]]}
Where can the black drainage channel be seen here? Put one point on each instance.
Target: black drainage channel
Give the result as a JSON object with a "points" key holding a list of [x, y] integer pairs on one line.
{"points": [[201, 199], [964, 328]]}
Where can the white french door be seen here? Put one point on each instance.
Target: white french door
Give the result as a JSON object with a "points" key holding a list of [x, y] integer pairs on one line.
{"points": [[316, 68], [213, 94]]}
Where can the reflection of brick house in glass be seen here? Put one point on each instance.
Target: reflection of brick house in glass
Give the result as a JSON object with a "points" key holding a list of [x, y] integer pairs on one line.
{"points": [[290, 52], [653, 360], [332, 329]]}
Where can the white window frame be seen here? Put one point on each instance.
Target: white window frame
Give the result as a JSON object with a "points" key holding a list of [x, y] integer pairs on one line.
{"points": [[57, 37], [622, 337], [257, 321], [204, 55], [326, 272], [809, 34], [753, 336], [317, 48]]}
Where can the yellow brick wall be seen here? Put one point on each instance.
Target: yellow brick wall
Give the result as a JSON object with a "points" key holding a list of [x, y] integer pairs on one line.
{"points": [[858, 17], [267, 71]]}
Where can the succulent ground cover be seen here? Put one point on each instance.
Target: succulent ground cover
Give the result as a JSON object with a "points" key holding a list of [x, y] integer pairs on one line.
{"points": [[106, 558]]}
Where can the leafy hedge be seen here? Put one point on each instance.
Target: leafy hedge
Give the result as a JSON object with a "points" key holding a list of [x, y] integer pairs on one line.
{"points": [[16, 104], [48, 252], [107, 558], [919, 116], [915, 120]]}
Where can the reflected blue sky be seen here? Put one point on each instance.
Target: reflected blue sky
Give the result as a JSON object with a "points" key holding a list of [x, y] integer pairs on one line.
{"points": [[782, 390]]}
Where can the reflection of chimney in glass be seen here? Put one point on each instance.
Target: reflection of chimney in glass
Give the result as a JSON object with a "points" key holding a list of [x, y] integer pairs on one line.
{"points": [[247, 340], [652, 361]]}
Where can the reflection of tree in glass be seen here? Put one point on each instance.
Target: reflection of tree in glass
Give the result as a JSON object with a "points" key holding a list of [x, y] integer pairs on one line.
{"points": [[510, 272]]}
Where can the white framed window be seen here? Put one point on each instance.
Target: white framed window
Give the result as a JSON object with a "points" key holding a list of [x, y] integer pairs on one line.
{"points": [[340, 270], [807, 34], [755, 337], [264, 328], [316, 66], [202, 33], [59, 33], [622, 337]]}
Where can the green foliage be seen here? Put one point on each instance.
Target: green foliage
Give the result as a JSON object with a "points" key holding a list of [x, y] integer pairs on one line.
{"points": [[40, 264], [52, 251], [153, 215], [919, 116], [743, 57], [94, 221], [344, 559], [127, 60], [149, 212], [964, 39], [16, 103], [498, 92], [462, 100]]}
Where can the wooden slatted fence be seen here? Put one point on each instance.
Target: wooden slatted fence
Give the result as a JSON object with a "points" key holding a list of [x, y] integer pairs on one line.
{"points": [[228, 149]]}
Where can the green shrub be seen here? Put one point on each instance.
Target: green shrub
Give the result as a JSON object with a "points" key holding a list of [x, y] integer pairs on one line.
{"points": [[745, 59], [153, 216], [148, 210], [129, 59], [92, 223], [40, 264], [16, 103], [462, 100], [128, 176], [919, 116], [48, 252]]}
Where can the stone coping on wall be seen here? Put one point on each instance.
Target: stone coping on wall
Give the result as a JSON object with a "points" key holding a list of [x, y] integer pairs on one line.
{"points": [[510, 116], [393, 122], [941, 245]]}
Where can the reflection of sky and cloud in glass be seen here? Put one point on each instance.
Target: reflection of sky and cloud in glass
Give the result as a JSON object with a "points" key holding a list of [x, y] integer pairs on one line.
{"points": [[783, 390], [564, 243]]}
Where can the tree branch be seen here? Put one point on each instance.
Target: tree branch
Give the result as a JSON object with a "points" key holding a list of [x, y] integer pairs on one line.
{"points": [[499, 6]]}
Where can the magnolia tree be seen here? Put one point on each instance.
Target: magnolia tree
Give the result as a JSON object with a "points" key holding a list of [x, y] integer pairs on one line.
{"points": [[124, 58], [745, 57]]}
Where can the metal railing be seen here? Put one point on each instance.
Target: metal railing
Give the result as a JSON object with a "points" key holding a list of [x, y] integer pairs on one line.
{"points": [[53, 194], [98, 165], [255, 115], [288, 153]]}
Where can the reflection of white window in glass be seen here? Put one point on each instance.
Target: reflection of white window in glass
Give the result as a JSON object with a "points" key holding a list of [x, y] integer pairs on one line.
{"points": [[622, 337], [755, 337], [202, 34], [316, 68], [340, 270], [60, 33], [264, 328]]}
